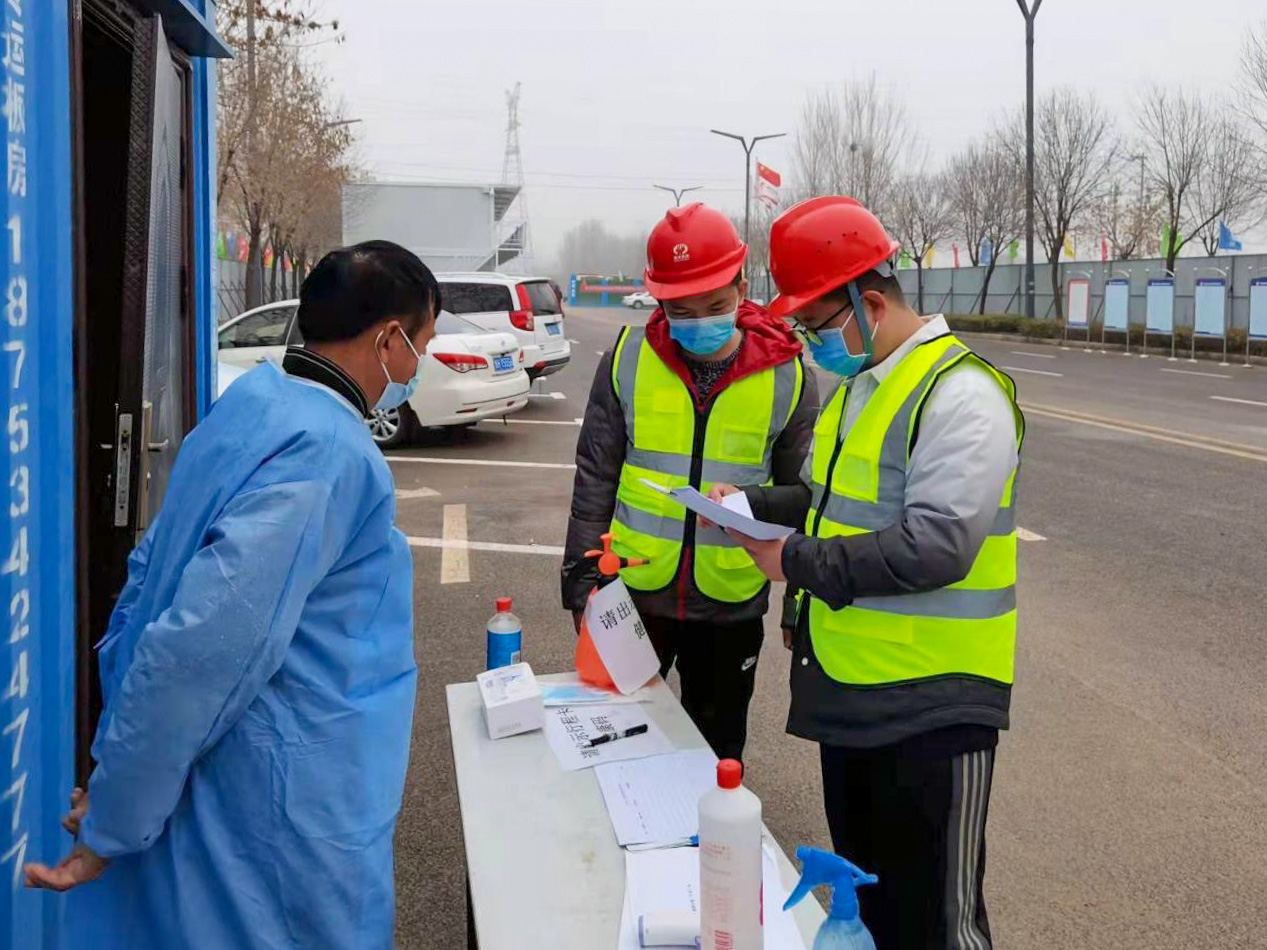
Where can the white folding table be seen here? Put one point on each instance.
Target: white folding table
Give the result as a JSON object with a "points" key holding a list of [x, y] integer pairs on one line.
{"points": [[543, 866]]}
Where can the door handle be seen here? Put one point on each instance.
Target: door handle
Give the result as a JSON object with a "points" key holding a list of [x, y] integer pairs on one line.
{"points": [[261, 359], [159, 446]]}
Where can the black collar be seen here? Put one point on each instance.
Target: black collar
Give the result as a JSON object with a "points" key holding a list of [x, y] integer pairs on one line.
{"points": [[309, 365]]}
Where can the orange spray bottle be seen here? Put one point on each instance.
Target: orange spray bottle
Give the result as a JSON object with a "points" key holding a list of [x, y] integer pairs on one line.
{"points": [[589, 665]]}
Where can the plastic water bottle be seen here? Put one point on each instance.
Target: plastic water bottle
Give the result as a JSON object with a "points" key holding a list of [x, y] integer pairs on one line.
{"points": [[730, 863], [843, 929], [505, 636]]}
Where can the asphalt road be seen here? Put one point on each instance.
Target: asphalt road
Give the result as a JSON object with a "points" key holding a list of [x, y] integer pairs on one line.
{"points": [[1130, 803]]}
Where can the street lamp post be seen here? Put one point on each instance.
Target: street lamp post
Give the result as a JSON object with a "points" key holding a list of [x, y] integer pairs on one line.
{"points": [[748, 146], [677, 193], [1030, 13]]}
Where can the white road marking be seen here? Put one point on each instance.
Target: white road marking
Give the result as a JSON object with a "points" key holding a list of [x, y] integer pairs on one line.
{"points": [[1036, 372], [579, 420], [494, 462], [447, 544], [554, 395], [1243, 402], [600, 352], [407, 493], [1193, 372], [1024, 534], [1037, 356], [544, 422], [1234, 449], [574, 342], [455, 565]]}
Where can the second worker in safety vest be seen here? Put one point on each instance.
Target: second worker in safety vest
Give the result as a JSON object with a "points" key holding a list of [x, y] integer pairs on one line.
{"points": [[903, 652], [711, 390]]}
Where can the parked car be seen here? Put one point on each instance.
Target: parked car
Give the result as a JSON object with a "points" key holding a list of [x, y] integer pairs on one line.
{"points": [[639, 299], [470, 374], [528, 307]]}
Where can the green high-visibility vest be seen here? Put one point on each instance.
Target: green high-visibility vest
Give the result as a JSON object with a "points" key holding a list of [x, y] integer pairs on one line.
{"points": [[859, 479], [671, 444]]}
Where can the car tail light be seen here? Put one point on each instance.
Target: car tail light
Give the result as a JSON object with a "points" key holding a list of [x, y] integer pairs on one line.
{"points": [[522, 318], [461, 362]]}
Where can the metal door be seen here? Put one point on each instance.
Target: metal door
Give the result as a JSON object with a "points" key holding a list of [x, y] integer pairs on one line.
{"points": [[153, 398]]}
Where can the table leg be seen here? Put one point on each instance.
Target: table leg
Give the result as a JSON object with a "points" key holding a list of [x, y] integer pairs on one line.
{"points": [[472, 942]]}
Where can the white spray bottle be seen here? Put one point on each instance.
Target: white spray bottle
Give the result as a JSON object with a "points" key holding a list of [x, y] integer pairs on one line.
{"points": [[730, 863]]}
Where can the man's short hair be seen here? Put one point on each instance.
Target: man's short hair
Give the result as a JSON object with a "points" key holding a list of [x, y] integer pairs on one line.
{"points": [[871, 280], [353, 288]]}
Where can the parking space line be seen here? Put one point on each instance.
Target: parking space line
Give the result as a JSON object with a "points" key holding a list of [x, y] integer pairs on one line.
{"points": [[1243, 402], [500, 463], [553, 395], [455, 565], [1035, 372], [1037, 356], [574, 342], [1193, 372], [446, 545], [1187, 440], [1024, 534], [543, 422], [407, 493]]}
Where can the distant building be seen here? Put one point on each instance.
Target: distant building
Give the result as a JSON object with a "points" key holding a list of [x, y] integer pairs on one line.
{"points": [[451, 227]]}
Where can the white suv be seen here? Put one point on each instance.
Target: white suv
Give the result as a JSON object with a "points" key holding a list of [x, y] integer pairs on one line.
{"points": [[528, 307]]}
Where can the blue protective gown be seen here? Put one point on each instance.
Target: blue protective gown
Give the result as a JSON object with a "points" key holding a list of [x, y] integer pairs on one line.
{"points": [[259, 676]]}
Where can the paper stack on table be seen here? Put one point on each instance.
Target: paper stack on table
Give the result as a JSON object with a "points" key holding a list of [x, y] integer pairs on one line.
{"points": [[734, 512], [569, 730], [657, 799], [659, 881]]}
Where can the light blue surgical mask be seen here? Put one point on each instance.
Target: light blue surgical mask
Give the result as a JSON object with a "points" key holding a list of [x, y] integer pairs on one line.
{"points": [[830, 351], [397, 394], [703, 335]]}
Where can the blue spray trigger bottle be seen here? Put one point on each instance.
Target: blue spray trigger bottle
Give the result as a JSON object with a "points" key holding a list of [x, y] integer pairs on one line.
{"points": [[843, 929]]}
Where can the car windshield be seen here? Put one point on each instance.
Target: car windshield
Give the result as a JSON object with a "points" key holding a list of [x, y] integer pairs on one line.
{"points": [[475, 298]]}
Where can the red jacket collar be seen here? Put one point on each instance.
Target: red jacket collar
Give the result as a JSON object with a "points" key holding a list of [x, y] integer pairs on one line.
{"points": [[766, 343]]}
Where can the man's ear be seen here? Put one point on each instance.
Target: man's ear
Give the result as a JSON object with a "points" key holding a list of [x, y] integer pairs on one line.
{"points": [[877, 305], [743, 289]]}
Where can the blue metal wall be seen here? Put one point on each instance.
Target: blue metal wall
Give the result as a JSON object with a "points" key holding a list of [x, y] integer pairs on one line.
{"points": [[37, 552], [37, 537]]}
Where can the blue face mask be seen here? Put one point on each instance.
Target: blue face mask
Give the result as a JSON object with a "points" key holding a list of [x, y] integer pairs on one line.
{"points": [[703, 335], [397, 394], [832, 353]]}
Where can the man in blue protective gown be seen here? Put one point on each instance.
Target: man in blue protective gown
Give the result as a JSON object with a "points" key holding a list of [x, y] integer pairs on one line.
{"points": [[258, 671]]}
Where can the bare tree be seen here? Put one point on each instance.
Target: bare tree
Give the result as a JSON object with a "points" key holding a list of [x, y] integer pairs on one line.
{"points": [[1181, 129], [988, 202], [1252, 91], [589, 248], [1074, 148], [851, 140], [1228, 186], [1129, 213], [280, 141], [921, 216]]}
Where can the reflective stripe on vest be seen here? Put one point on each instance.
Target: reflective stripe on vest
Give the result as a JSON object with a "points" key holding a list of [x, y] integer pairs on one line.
{"points": [[742, 424], [859, 485]]}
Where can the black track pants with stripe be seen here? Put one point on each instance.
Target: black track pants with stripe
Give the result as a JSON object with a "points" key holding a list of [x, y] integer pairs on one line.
{"points": [[917, 821]]}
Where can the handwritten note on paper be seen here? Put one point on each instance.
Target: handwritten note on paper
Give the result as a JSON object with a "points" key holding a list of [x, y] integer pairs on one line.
{"points": [[569, 730], [657, 799], [621, 637]]}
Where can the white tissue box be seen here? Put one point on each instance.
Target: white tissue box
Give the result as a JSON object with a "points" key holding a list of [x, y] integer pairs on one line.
{"points": [[512, 700]]}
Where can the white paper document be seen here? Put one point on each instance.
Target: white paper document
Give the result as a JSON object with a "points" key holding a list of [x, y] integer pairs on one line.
{"points": [[724, 515], [569, 730], [657, 799], [621, 638], [572, 692], [658, 881]]}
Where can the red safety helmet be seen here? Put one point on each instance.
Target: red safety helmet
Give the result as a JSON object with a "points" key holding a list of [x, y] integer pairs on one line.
{"points": [[692, 251], [820, 244]]}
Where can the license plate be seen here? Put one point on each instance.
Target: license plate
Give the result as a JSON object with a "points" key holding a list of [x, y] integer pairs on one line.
{"points": [[554, 329], [503, 364]]}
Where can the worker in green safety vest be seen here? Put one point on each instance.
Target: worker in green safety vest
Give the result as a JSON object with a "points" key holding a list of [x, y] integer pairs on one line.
{"points": [[906, 629], [711, 390]]}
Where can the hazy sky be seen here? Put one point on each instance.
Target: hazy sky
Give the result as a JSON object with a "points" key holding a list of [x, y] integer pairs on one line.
{"points": [[619, 94]]}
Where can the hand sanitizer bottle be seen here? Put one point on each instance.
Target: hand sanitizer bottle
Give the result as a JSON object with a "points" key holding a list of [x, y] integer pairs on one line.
{"points": [[843, 929], [730, 863]]}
